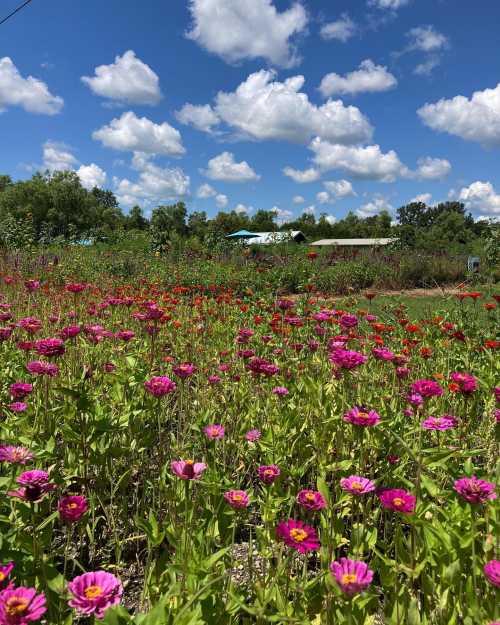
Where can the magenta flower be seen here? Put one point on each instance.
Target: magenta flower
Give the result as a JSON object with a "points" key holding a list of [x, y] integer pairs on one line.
{"points": [[347, 359], [402, 372], [5, 571], [492, 571], [34, 486], [188, 469], [260, 366], [32, 285], [5, 334], [31, 324], [362, 416], [72, 508], [38, 367], [427, 388], [466, 382], [281, 391], [252, 436], [398, 500], [20, 390], [214, 379], [94, 593], [382, 353], [446, 422], [357, 485], [352, 576], [69, 332], [268, 474], [237, 498], [19, 606], [184, 370], [298, 536], [214, 432], [474, 490], [160, 386], [15, 454], [348, 321], [415, 399], [125, 335], [311, 500], [50, 347], [18, 406]]}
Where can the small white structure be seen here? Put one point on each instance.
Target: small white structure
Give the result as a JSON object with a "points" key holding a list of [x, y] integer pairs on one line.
{"points": [[355, 242], [268, 238]]}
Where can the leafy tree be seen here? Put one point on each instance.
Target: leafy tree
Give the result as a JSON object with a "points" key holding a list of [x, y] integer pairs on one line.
{"points": [[135, 220], [197, 224], [5, 181], [263, 221]]}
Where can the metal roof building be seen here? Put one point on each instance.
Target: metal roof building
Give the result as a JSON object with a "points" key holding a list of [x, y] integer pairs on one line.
{"points": [[355, 242], [268, 238]]}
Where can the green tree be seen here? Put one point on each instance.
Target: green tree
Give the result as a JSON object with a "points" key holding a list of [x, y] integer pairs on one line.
{"points": [[135, 220]]}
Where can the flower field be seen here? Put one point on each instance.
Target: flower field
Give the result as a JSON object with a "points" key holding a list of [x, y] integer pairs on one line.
{"points": [[187, 456]]}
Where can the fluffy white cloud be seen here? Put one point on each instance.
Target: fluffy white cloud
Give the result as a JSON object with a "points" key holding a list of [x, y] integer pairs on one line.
{"points": [[29, 93], [302, 177], [242, 209], [298, 199], [388, 4], [91, 176], [433, 168], [330, 219], [374, 207], [281, 215], [369, 78], [221, 200], [481, 196], [323, 197], [426, 39], [422, 197], [224, 167], [128, 80], [263, 108], [341, 30], [247, 29], [309, 210], [361, 162], [335, 190], [205, 191], [428, 66], [474, 119], [132, 133], [155, 184], [201, 117], [57, 157]]}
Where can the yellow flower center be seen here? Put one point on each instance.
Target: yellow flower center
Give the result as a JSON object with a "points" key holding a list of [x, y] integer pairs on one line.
{"points": [[237, 497], [357, 485], [269, 472], [309, 496], [298, 534], [72, 506], [189, 461], [363, 415], [349, 578], [16, 605], [92, 592], [397, 501], [2, 576]]}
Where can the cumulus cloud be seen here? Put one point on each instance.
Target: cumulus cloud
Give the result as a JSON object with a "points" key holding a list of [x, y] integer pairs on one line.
{"points": [[422, 197], [29, 93], [127, 81], [367, 162], [154, 184], [206, 191], [331, 219], [263, 108], [392, 5], [247, 29], [302, 177], [221, 200], [340, 30], [335, 190], [481, 196], [473, 119], [281, 215], [132, 133], [426, 39], [374, 207], [428, 66], [323, 197], [242, 209], [298, 199], [201, 117], [224, 167], [91, 176], [433, 168], [309, 210], [58, 157], [369, 78]]}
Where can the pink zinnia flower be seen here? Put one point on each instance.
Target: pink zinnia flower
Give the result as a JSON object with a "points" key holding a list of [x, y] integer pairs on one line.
{"points": [[362, 416], [474, 490], [466, 382], [357, 485], [352, 576], [32, 285], [214, 379], [5, 571], [5, 333], [398, 500], [19, 606], [297, 535], [18, 406], [184, 370], [311, 500], [281, 391], [72, 508], [402, 372], [382, 353], [19, 390], [188, 469], [69, 332], [446, 422], [347, 359], [30, 324], [125, 335], [214, 432], [427, 388], [348, 321], [94, 593], [492, 571], [268, 474], [38, 367], [75, 287], [34, 486], [160, 386], [14, 454], [252, 436], [50, 347], [237, 498]]}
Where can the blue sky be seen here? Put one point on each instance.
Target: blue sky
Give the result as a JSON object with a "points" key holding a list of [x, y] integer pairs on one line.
{"points": [[320, 105]]}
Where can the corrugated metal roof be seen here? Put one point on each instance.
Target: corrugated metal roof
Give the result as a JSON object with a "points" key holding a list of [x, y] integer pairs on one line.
{"points": [[266, 238], [354, 242]]}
